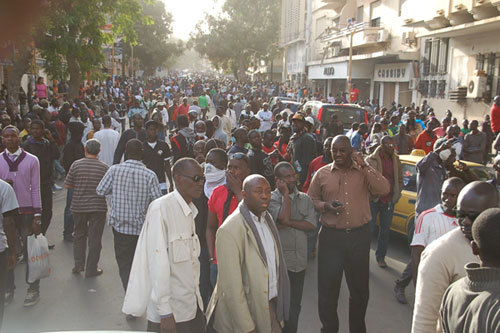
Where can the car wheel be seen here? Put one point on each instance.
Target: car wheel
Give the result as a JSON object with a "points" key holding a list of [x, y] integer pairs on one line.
{"points": [[411, 230]]}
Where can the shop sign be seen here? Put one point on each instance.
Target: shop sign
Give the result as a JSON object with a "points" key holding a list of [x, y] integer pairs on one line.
{"points": [[329, 71], [399, 72]]}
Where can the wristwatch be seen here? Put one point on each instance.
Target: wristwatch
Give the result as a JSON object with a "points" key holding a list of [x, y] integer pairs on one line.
{"points": [[211, 259]]}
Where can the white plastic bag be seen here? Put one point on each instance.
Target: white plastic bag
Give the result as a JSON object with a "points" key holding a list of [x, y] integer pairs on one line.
{"points": [[38, 258]]}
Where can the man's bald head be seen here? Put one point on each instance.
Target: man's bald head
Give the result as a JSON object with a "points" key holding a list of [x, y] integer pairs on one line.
{"points": [[184, 164], [343, 139], [256, 194], [472, 200], [134, 150]]}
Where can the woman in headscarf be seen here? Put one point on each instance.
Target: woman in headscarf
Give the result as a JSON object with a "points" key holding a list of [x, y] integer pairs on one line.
{"points": [[219, 133]]}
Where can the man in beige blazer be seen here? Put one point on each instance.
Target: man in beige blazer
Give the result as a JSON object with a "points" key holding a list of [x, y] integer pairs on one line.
{"points": [[252, 293]]}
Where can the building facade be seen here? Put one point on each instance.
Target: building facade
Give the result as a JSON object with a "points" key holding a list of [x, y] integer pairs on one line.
{"points": [[383, 61], [459, 54]]}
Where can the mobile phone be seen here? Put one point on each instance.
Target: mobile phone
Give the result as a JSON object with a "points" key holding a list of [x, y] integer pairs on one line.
{"points": [[336, 203]]}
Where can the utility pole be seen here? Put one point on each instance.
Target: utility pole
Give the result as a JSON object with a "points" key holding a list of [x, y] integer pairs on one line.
{"points": [[349, 78], [113, 63]]}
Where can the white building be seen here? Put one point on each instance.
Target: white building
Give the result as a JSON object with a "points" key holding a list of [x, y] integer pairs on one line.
{"points": [[460, 53], [384, 59], [293, 40]]}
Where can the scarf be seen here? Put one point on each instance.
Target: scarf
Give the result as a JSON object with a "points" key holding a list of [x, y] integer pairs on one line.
{"points": [[214, 177], [283, 305], [189, 134]]}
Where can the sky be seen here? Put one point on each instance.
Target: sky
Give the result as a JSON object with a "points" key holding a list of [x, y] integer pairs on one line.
{"points": [[187, 13]]}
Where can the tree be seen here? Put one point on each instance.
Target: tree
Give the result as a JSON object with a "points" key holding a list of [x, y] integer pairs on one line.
{"points": [[155, 47], [240, 35], [73, 45]]}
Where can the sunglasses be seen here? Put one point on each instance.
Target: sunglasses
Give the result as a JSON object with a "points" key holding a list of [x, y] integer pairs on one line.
{"points": [[195, 178], [461, 215]]}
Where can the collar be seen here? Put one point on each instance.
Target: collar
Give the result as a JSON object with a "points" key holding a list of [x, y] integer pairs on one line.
{"points": [[482, 278], [16, 153], [257, 219], [186, 208], [353, 166]]}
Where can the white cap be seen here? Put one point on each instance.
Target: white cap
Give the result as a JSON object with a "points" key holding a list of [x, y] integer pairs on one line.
{"points": [[310, 120]]}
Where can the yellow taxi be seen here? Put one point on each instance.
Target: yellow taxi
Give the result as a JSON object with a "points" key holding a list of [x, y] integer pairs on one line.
{"points": [[404, 210]]}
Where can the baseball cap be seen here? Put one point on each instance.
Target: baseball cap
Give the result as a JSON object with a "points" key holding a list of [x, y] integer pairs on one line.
{"points": [[299, 116]]}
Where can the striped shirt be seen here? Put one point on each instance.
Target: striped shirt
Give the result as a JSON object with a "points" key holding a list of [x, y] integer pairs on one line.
{"points": [[83, 177], [132, 187], [432, 224]]}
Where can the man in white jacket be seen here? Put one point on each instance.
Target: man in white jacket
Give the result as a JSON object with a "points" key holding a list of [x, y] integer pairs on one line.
{"points": [[164, 279]]}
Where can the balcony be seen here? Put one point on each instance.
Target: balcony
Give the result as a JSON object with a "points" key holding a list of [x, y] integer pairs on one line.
{"points": [[335, 5], [363, 35]]}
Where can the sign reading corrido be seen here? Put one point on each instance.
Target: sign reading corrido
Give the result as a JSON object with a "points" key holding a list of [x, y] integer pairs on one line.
{"points": [[398, 72]]}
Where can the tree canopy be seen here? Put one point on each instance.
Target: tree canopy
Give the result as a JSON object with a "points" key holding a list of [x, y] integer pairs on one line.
{"points": [[155, 47], [244, 33]]}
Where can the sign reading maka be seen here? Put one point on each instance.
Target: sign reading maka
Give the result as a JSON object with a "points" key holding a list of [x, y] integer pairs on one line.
{"points": [[399, 72]]}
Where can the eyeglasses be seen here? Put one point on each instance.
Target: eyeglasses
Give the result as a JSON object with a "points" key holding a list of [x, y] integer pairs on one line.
{"points": [[195, 178], [461, 215]]}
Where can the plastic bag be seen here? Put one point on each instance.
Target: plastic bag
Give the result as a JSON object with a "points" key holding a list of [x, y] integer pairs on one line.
{"points": [[38, 258]]}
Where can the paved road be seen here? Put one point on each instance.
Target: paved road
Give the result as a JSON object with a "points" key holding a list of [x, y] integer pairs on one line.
{"points": [[70, 302]]}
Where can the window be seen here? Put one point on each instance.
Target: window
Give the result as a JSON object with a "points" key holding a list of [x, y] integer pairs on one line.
{"points": [[435, 56], [480, 62], [409, 177], [375, 13], [433, 89], [427, 57], [360, 14], [442, 66], [424, 88], [441, 88]]}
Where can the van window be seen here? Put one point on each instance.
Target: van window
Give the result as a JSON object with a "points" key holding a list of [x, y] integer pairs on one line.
{"points": [[409, 177]]}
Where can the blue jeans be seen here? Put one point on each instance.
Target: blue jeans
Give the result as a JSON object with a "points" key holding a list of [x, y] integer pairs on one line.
{"points": [[385, 211], [68, 217]]}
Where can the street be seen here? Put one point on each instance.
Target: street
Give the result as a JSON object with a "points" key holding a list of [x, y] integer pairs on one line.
{"points": [[70, 302]]}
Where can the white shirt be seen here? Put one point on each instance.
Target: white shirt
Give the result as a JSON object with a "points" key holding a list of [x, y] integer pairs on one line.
{"points": [[13, 156], [267, 240], [232, 117], [432, 224], [8, 202], [265, 120], [441, 264], [109, 140], [165, 273]]}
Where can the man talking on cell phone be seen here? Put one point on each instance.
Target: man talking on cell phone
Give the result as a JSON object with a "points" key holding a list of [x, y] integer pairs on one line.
{"points": [[341, 193]]}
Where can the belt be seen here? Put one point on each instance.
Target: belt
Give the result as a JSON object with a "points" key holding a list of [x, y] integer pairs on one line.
{"points": [[349, 230]]}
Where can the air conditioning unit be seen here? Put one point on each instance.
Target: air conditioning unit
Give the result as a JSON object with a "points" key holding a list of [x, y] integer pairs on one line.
{"points": [[476, 86], [413, 84], [409, 38], [382, 36]]}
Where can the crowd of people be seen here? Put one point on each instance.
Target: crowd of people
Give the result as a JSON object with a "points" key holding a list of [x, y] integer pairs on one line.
{"points": [[217, 197]]}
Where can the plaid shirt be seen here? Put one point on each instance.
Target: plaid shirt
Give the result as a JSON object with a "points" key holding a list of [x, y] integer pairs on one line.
{"points": [[132, 187]]}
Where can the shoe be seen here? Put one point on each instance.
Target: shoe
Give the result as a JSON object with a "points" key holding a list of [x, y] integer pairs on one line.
{"points": [[9, 297], [68, 238], [399, 292], [97, 272], [51, 246], [77, 270], [56, 187], [381, 263], [32, 297]]}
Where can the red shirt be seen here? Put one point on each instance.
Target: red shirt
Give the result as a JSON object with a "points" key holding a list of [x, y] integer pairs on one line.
{"points": [[314, 166], [425, 142], [216, 206], [181, 109], [269, 151], [283, 148], [354, 94], [495, 118]]}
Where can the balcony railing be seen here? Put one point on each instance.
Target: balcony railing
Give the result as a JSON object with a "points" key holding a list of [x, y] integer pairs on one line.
{"points": [[363, 34]]}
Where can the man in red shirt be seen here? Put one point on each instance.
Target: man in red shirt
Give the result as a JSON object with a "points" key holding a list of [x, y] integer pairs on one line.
{"points": [[269, 148], [318, 163], [282, 144], [223, 201], [426, 139], [495, 115], [353, 94], [182, 109]]}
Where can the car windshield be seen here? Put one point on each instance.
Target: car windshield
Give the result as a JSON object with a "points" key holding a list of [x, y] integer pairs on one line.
{"points": [[409, 177], [347, 115]]}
